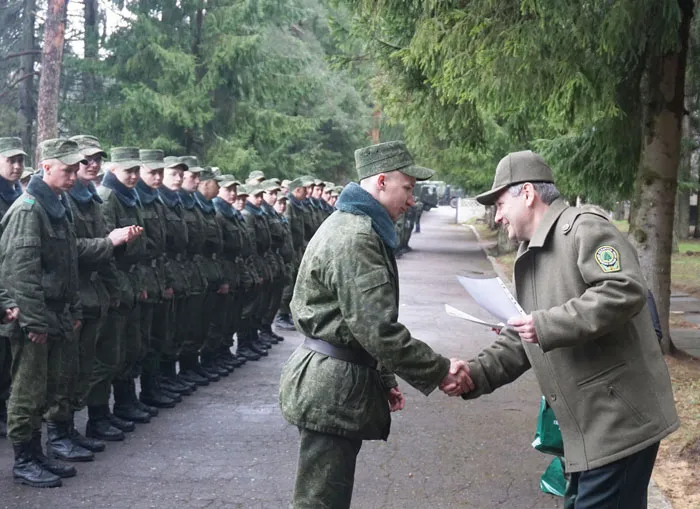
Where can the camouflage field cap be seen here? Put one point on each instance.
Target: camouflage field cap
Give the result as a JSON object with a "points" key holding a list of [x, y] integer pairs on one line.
{"points": [[319, 182], [11, 147], [27, 172], [270, 186], [192, 164], [243, 191], [254, 189], [285, 183], [63, 149], [337, 190], [89, 145], [256, 175], [173, 162], [207, 174], [328, 185], [229, 181], [125, 158], [298, 182], [386, 157], [516, 168], [281, 197], [152, 158]]}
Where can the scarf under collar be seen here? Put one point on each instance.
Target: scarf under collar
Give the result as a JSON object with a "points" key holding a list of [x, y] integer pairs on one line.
{"points": [[205, 205], [147, 194], [168, 197], [9, 191], [187, 199], [356, 200], [269, 209], [127, 197], [257, 211], [296, 203], [84, 194], [55, 205], [224, 208]]}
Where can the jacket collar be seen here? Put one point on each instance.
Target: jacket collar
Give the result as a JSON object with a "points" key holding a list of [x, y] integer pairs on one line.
{"points": [[84, 194], [9, 191], [548, 221], [356, 200], [253, 209], [128, 197], [54, 205], [224, 208], [168, 197], [204, 205], [147, 194], [296, 203], [187, 199]]}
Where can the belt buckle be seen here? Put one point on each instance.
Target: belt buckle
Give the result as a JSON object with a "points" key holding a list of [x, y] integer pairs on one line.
{"points": [[154, 263]]}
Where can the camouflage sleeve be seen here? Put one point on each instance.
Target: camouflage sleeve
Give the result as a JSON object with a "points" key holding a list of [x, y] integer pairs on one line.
{"points": [[94, 250], [6, 301]]}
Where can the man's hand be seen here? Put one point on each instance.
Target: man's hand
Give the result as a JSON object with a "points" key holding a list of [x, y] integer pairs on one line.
{"points": [[10, 315], [525, 326], [38, 338], [168, 293], [120, 236], [457, 381], [223, 289], [143, 295], [396, 399], [76, 324]]}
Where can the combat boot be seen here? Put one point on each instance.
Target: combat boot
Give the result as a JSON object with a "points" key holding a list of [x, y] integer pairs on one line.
{"points": [[124, 406], [174, 386], [124, 425], [284, 322], [236, 360], [209, 364], [60, 446], [150, 410], [188, 371], [27, 470], [99, 427], [209, 375], [268, 337], [53, 466], [261, 340], [247, 353], [3, 418], [151, 396], [225, 363], [169, 380], [85, 442]]}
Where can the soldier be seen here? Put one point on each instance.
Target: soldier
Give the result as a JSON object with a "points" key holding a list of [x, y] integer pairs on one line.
{"points": [[160, 293], [284, 187], [339, 386], [26, 175], [255, 177], [97, 280], [295, 213], [11, 166], [40, 264], [122, 208]]}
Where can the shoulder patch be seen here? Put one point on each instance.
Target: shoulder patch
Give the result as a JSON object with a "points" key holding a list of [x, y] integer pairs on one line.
{"points": [[28, 200], [608, 258]]}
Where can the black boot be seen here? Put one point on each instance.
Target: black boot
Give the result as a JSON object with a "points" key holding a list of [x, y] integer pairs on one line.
{"points": [[150, 410], [90, 444], [268, 336], [53, 466], [3, 418], [124, 425], [235, 359], [151, 396], [284, 322], [209, 375], [225, 363], [60, 446], [247, 353], [98, 425], [188, 372], [173, 385], [209, 364], [170, 381], [124, 404], [27, 470]]}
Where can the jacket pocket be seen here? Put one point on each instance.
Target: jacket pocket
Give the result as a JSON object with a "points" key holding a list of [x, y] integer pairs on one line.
{"points": [[601, 375], [618, 394], [372, 280]]}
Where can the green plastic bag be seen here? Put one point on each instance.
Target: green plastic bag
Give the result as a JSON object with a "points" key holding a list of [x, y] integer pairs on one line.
{"points": [[553, 480], [548, 435]]}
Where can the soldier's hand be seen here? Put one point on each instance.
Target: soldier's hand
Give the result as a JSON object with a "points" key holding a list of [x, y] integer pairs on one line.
{"points": [[223, 289], [458, 379], [77, 324], [120, 236], [143, 295], [525, 326], [11, 314], [168, 293], [396, 399], [38, 338]]}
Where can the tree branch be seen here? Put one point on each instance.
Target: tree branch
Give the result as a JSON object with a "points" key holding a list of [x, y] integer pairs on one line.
{"points": [[17, 82], [21, 54]]}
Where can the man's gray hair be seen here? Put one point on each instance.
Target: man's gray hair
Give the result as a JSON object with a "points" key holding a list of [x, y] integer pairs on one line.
{"points": [[547, 191]]}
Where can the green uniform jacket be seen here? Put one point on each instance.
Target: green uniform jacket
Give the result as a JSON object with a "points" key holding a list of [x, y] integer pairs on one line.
{"points": [[177, 267], [231, 261], [210, 261], [96, 269], [308, 218], [347, 293], [295, 218], [196, 237], [598, 361], [277, 237], [258, 228], [249, 274], [40, 261], [8, 194], [153, 214]]}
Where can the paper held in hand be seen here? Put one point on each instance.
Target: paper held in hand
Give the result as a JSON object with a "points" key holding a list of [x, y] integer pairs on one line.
{"points": [[492, 295]]}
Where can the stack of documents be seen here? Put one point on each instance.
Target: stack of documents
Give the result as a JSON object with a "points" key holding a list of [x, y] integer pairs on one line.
{"points": [[492, 295]]}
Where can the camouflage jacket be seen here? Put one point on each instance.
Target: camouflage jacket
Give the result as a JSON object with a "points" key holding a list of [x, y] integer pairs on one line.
{"points": [[232, 262], [177, 267], [196, 238], [213, 243], [347, 293], [40, 261], [259, 229], [153, 214], [277, 236], [9, 192], [295, 218]]}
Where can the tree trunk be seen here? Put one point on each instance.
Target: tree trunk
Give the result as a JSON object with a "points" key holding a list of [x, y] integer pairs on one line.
{"points": [[504, 244], [681, 223], [91, 50], [651, 227], [51, 63], [25, 115]]}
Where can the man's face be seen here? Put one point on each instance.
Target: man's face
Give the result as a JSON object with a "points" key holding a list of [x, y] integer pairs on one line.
{"points": [[152, 177], [326, 195], [190, 181], [396, 193], [88, 172], [281, 206], [284, 190], [240, 202], [513, 213], [332, 201], [58, 176], [172, 178], [127, 176], [299, 193], [11, 168], [318, 192], [209, 188], [270, 197], [256, 199], [228, 194]]}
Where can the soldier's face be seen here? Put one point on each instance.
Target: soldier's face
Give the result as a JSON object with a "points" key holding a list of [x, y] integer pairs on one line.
{"points": [[281, 206], [327, 196], [513, 213], [299, 193], [256, 199], [172, 178], [396, 192], [190, 181], [152, 177], [318, 192], [227, 194], [270, 198], [11, 168], [127, 176], [240, 202], [333, 200], [58, 176], [88, 172], [209, 188]]}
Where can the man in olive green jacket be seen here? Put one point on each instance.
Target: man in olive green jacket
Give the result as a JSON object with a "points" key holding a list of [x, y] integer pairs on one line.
{"points": [[339, 386], [587, 335]]}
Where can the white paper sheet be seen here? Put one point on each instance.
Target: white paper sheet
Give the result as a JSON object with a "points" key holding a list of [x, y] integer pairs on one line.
{"points": [[466, 316], [492, 295]]}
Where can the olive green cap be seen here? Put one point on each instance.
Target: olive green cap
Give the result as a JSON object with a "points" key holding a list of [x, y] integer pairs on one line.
{"points": [[254, 189], [285, 183], [192, 164], [207, 174], [298, 182], [270, 186], [125, 157], [11, 147], [27, 172], [386, 157], [89, 145], [256, 175], [243, 190], [63, 149], [173, 162], [337, 190], [281, 197], [328, 185], [516, 168], [319, 183], [228, 182], [152, 158]]}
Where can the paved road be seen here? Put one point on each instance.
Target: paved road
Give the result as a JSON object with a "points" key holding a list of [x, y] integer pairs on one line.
{"points": [[228, 446]]}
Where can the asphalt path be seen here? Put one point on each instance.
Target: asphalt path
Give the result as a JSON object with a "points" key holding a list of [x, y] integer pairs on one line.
{"points": [[227, 446]]}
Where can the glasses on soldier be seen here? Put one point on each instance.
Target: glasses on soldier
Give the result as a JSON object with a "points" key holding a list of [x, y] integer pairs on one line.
{"points": [[96, 159]]}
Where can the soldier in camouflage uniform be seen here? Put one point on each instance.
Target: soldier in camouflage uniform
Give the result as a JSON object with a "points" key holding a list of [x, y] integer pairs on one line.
{"points": [[122, 208], [339, 386], [11, 166], [40, 265]]}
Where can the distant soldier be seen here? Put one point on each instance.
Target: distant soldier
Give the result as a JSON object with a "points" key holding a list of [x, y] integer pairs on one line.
{"points": [[40, 265], [277, 238], [25, 177]]}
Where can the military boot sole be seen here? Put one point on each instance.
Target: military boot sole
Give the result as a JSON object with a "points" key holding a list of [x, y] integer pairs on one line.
{"points": [[195, 378], [107, 438], [70, 459], [123, 425], [141, 419], [54, 483], [158, 403]]}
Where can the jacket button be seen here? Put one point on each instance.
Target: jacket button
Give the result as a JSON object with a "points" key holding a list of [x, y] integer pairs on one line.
{"points": [[566, 227], [553, 397]]}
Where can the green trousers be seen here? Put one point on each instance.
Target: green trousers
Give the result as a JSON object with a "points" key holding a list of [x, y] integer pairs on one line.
{"points": [[131, 348], [5, 368], [87, 342], [161, 346], [276, 290], [218, 324], [326, 471], [191, 320], [288, 291], [108, 355], [43, 378]]}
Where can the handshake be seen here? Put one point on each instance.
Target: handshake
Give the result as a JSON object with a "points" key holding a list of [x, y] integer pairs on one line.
{"points": [[458, 381]]}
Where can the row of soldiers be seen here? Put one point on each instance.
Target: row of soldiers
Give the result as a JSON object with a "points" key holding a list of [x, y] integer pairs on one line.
{"points": [[156, 268]]}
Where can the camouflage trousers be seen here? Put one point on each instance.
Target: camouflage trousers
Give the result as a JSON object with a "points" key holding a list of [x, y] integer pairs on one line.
{"points": [[288, 291], [325, 471], [274, 300], [195, 320], [219, 325], [5, 368], [43, 378], [108, 355], [87, 342], [131, 345], [161, 345]]}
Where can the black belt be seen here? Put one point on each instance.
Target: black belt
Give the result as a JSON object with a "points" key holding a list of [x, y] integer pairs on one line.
{"points": [[338, 352]]}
